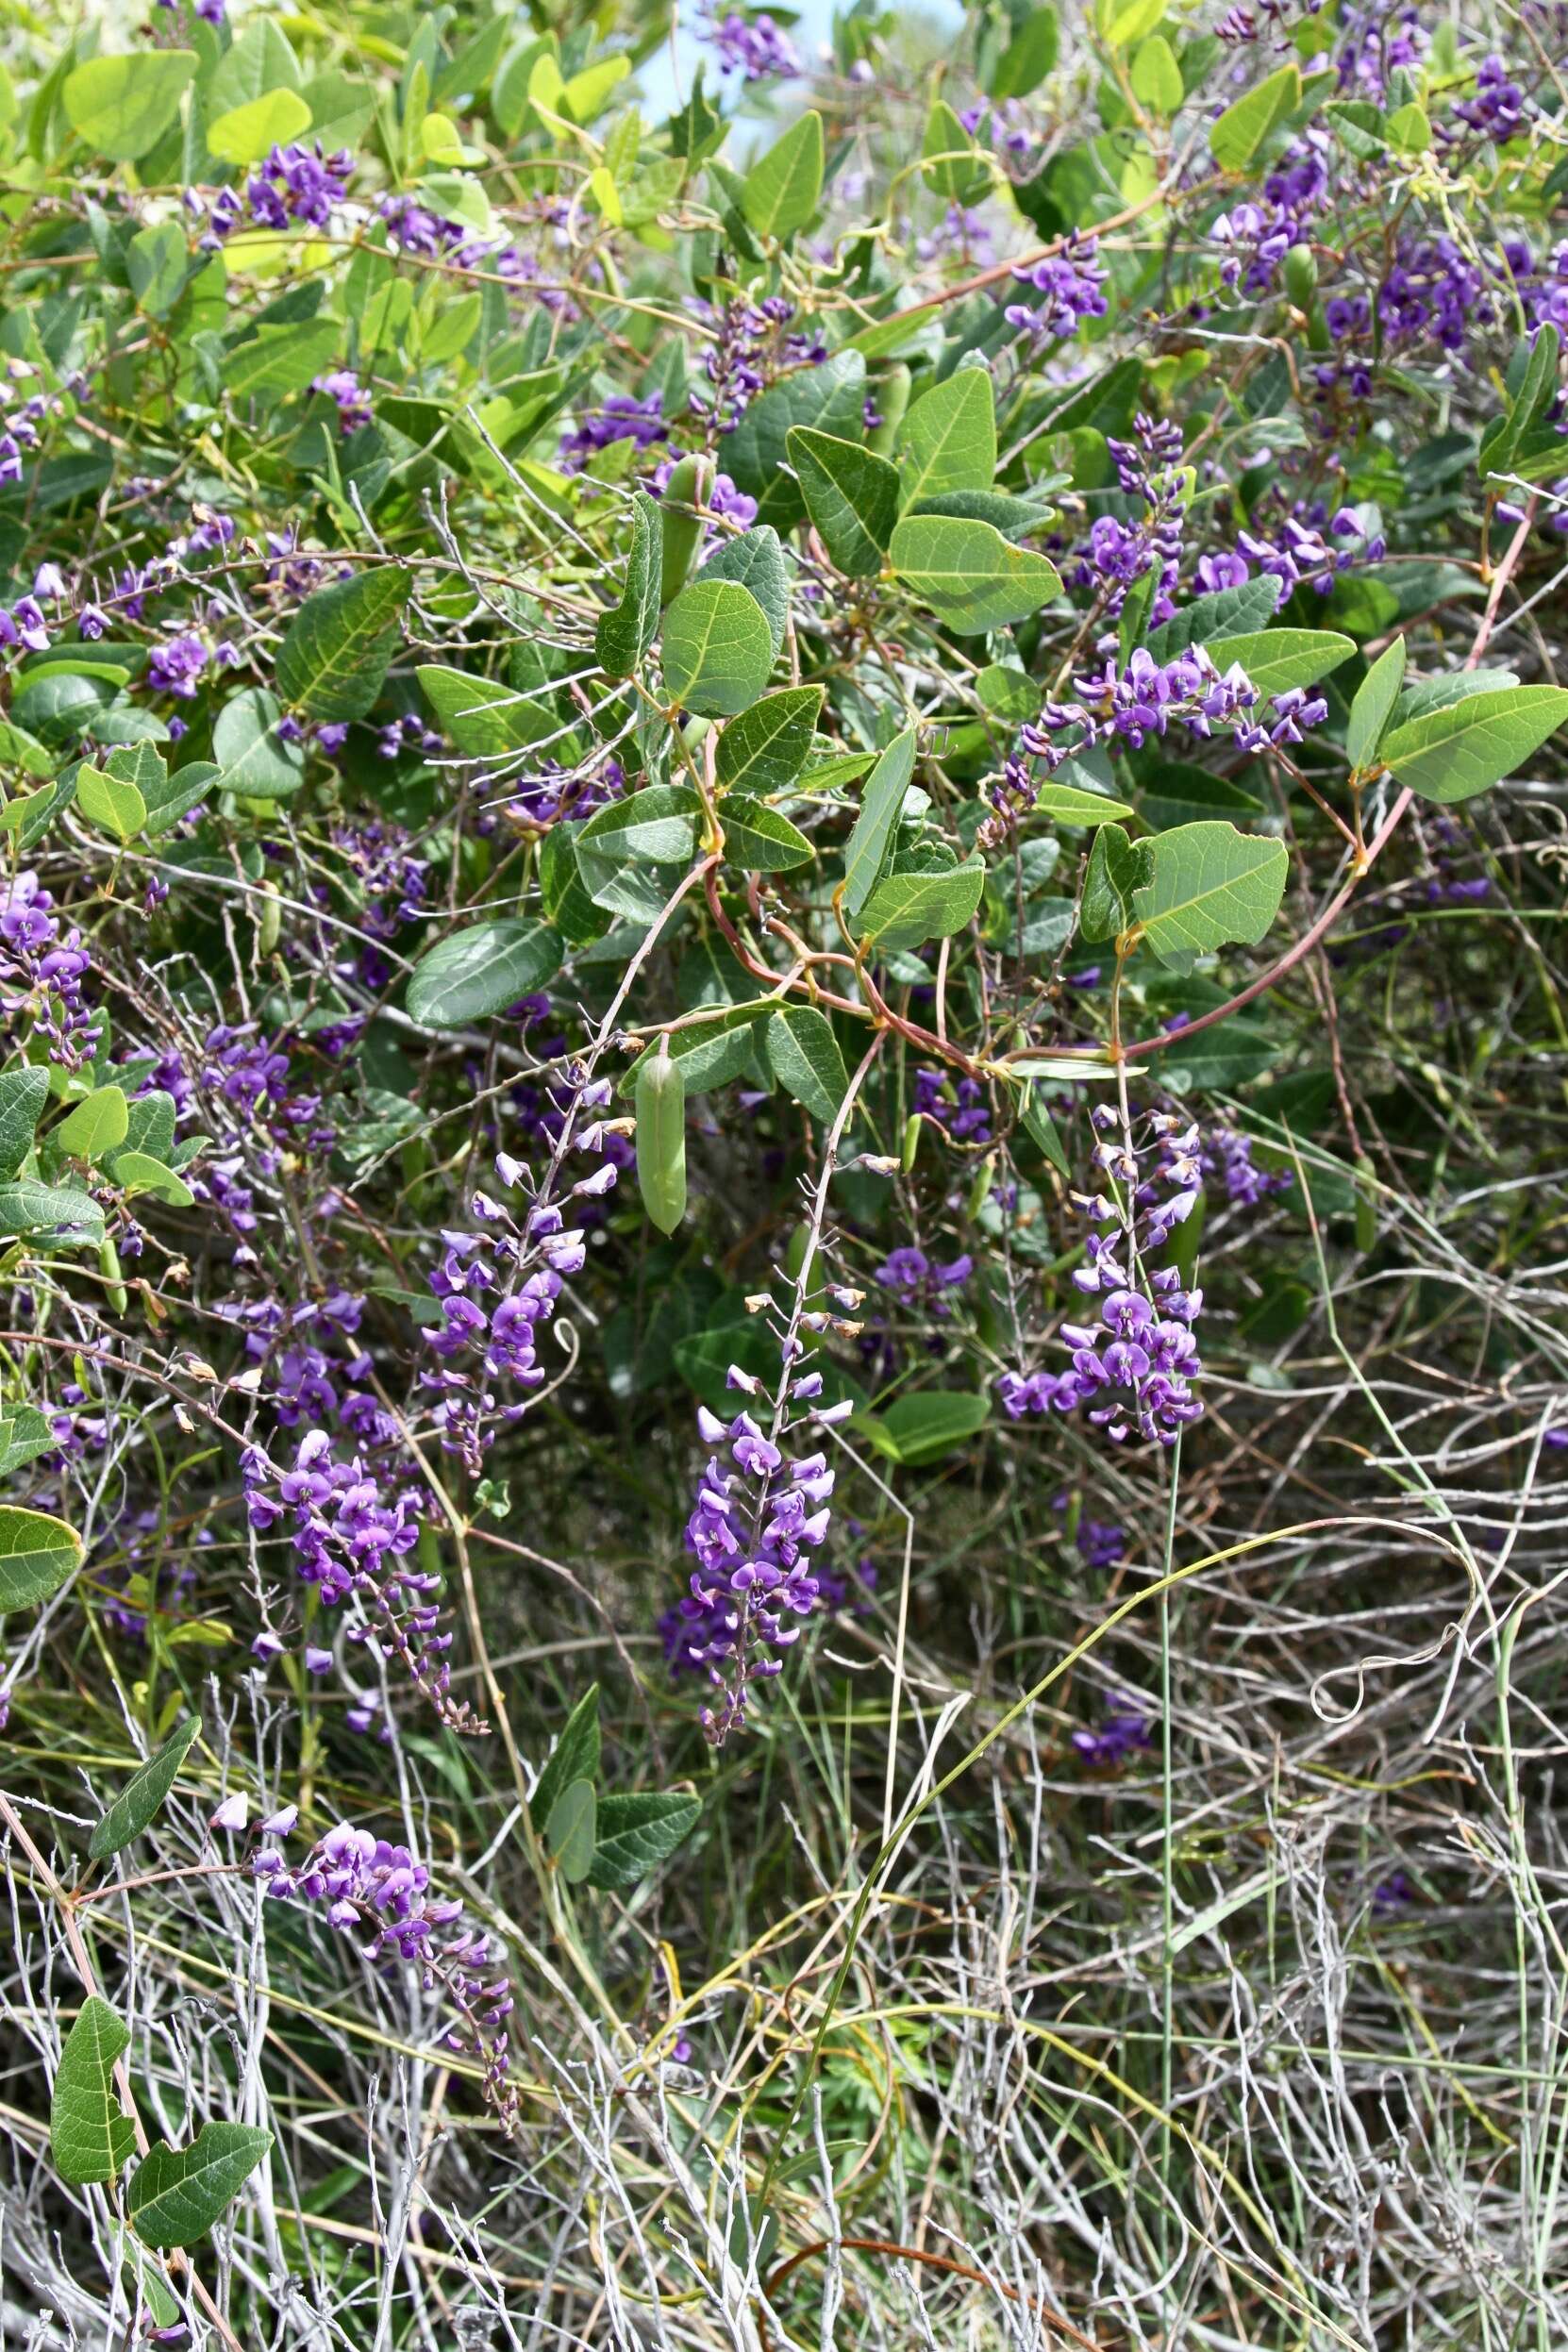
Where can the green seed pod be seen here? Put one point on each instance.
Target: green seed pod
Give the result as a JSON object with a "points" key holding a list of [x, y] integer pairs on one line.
{"points": [[661, 1138], [686, 490], [1301, 275], [980, 1191], [271, 920], [114, 1289], [911, 1140], [893, 398], [1318, 337]]}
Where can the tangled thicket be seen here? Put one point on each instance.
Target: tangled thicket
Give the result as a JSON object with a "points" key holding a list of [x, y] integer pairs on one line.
{"points": [[780, 1175]]}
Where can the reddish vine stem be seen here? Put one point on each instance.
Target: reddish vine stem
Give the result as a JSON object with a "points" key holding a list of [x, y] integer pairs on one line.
{"points": [[933, 2261]]}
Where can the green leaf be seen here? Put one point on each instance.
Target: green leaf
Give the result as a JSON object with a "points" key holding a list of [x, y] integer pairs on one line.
{"points": [[277, 361], [117, 808], [624, 635], [1210, 885], [804, 1055], [157, 261], [1247, 607], [947, 441], [656, 827], [23, 1095], [51, 1212], [1276, 659], [575, 1756], [1028, 56], [172, 795], [907, 910], [930, 1424], [260, 59], [766, 747], [143, 1792], [138, 1171], [660, 1098], [783, 187], [718, 647], [709, 1054], [99, 1124], [90, 2133], [970, 576], [754, 455], [243, 134], [1009, 692], [1156, 76], [1069, 806], [569, 1830], [755, 560], [480, 972], [758, 839], [1235, 138], [176, 2194], [1118, 869], [1453, 754], [636, 1832], [1373, 706], [866, 851], [1042, 1128], [36, 1555], [1178, 793], [951, 165], [485, 719], [333, 662], [254, 758], [123, 106], [851, 495]]}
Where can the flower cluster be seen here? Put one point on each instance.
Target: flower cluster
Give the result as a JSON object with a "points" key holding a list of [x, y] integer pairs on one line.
{"points": [[20, 422], [1228, 1153], [370, 1883], [1135, 1370], [622, 418], [756, 47], [44, 973], [958, 1106], [1123, 1731], [345, 390], [1100, 1542], [517, 1268], [748, 348], [353, 1532], [295, 185], [919, 1281], [751, 1533], [1071, 286], [1129, 707]]}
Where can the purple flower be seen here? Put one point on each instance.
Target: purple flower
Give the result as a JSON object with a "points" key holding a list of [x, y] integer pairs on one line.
{"points": [[46, 974], [753, 47], [751, 1532], [1135, 1369], [368, 1884], [296, 184], [353, 402], [176, 668], [1121, 1733], [1071, 285], [622, 418]]}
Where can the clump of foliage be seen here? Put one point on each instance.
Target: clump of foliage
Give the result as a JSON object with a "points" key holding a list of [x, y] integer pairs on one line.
{"points": [[779, 1172]]}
